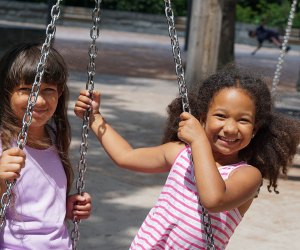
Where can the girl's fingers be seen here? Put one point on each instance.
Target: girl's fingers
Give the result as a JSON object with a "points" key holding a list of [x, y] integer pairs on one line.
{"points": [[87, 197], [84, 92], [10, 171], [83, 100], [185, 115], [14, 152], [81, 214], [80, 110], [9, 176], [81, 210], [82, 206], [13, 167]]}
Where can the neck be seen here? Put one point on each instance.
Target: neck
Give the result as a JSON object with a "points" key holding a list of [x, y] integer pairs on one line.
{"points": [[39, 140], [223, 160]]}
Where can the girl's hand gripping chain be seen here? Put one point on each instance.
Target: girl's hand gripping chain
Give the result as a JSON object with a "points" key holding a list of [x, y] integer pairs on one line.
{"points": [[78, 206], [190, 130], [84, 102], [11, 163]]}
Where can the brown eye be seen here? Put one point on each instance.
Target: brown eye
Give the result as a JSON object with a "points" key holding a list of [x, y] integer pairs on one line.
{"points": [[25, 89], [244, 121], [50, 90], [221, 116]]}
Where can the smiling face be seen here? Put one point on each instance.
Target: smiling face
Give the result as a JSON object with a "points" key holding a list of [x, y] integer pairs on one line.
{"points": [[43, 110], [230, 122]]}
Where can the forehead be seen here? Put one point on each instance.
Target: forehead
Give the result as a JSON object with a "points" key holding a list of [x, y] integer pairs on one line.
{"points": [[43, 84], [233, 99]]}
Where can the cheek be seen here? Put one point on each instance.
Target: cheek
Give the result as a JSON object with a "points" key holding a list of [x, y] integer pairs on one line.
{"points": [[213, 126], [15, 105], [52, 100], [212, 132]]}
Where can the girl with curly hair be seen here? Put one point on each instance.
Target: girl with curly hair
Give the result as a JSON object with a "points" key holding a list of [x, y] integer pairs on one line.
{"points": [[217, 158]]}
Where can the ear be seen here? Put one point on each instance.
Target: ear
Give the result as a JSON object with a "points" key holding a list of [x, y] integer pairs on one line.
{"points": [[254, 131], [202, 119]]}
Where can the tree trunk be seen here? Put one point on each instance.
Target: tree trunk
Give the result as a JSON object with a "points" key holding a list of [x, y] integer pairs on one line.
{"points": [[204, 37], [226, 47]]}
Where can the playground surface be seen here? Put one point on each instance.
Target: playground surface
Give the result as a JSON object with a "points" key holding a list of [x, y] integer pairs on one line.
{"points": [[135, 73]]}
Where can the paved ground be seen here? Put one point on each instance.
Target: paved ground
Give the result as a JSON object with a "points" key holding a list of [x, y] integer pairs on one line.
{"points": [[135, 73]]}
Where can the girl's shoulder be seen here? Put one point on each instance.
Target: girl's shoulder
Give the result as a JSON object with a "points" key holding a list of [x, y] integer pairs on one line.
{"points": [[229, 169], [244, 173], [173, 150]]}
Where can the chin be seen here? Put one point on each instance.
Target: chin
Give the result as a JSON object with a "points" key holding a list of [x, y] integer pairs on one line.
{"points": [[225, 151]]}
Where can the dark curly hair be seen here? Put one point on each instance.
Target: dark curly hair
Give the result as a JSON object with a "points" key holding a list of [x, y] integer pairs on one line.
{"points": [[277, 137]]}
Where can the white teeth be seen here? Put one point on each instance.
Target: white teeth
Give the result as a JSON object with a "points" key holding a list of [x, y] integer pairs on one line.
{"points": [[228, 140]]}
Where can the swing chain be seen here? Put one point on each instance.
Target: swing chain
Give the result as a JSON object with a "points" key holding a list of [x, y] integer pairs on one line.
{"points": [[91, 71], [185, 104], [208, 230], [32, 99], [205, 218], [177, 56], [283, 47], [206, 221]]}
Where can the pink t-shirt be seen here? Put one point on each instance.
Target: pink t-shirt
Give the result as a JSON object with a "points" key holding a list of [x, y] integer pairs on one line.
{"points": [[175, 220], [37, 218]]}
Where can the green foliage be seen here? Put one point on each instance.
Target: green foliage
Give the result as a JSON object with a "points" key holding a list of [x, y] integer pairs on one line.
{"points": [[246, 14], [146, 6], [296, 22], [143, 6], [271, 13], [276, 15]]}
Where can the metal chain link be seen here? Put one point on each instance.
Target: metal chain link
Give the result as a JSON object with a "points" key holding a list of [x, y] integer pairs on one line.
{"points": [[206, 221], [91, 71], [177, 56], [32, 99], [283, 48], [185, 104], [210, 245]]}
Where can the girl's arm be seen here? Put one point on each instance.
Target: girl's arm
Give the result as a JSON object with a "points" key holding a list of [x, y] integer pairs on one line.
{"points": [[216, 194], [152, 160]]}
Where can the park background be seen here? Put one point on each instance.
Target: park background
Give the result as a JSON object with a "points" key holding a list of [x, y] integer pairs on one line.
{"points": [[135, 72]]}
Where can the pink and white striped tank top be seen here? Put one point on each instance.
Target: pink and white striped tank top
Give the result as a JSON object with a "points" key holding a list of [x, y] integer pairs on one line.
{"points": [[175, 221]]}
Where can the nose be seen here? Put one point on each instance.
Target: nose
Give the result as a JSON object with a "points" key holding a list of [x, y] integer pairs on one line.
{"points": [[40, 100], [230, 127]]}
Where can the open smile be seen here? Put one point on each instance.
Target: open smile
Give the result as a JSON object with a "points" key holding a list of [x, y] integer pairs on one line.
{"points": [[228, 140]]}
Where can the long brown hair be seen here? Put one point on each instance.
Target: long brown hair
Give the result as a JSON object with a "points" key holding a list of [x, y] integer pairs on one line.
{"points": [[19, 65]]}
